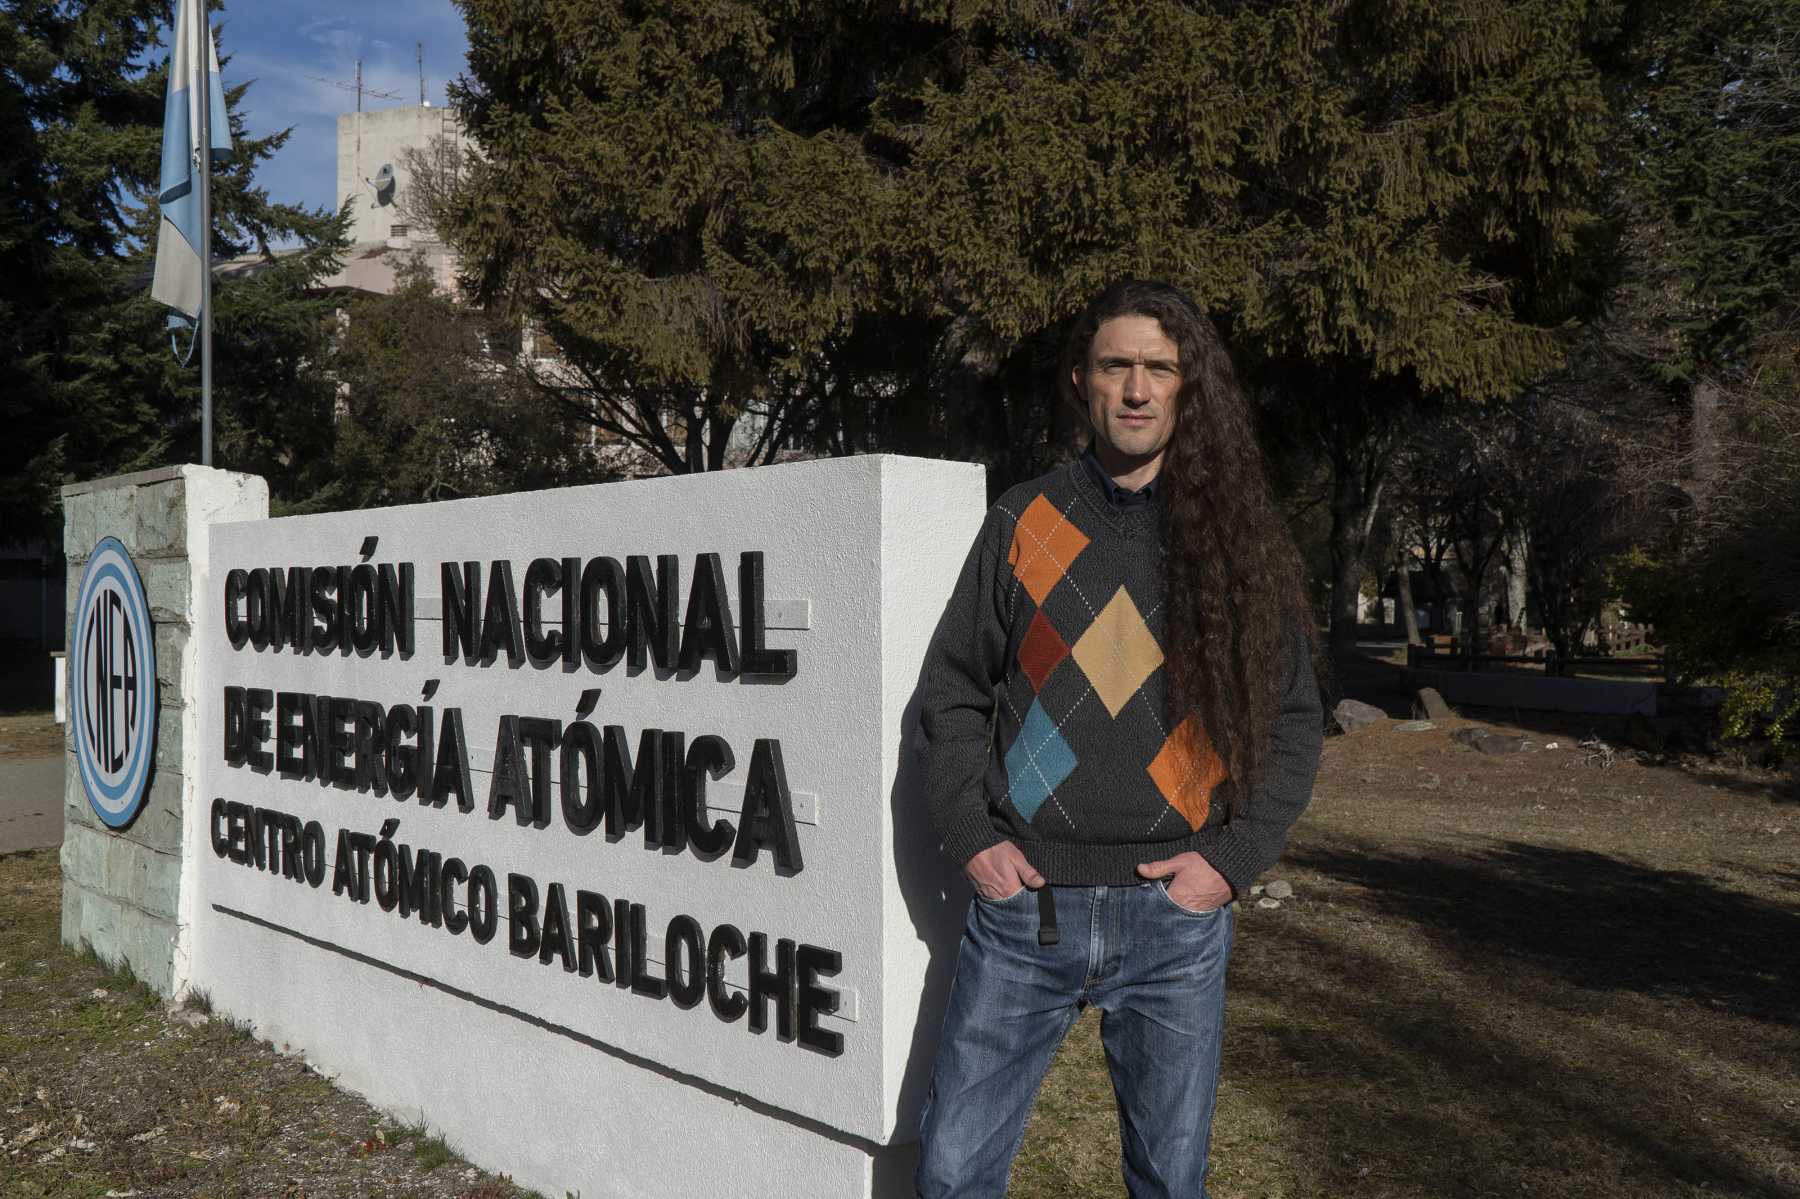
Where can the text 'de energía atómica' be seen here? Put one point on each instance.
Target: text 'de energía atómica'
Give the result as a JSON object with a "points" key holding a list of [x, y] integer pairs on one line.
{"points": [[410, 751]]}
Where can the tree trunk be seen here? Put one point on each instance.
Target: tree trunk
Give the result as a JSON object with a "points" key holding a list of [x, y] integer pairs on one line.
{"points": [[1346, 588], [1515, 580], [1703, 436], [1473, 600], [718, 438], [1359, 433], [1409, 615], [1353, 508], [1481, 547], [1553, 602]]}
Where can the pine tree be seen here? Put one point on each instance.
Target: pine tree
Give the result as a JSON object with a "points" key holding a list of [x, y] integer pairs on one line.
{"points": [[75, 116], [681, 199], [730, 207], [1384, 201], [1715, 124], [1715, 127], [89, 385]]}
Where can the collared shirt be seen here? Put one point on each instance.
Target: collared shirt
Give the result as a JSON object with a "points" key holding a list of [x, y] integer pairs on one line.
{"points": [[1118, 496]]}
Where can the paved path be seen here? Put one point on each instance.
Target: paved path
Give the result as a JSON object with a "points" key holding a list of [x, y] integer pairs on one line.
{"points": [[31, 803]]}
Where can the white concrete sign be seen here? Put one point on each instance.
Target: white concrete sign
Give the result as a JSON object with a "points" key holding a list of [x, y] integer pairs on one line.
{"points": [[578, 822]]}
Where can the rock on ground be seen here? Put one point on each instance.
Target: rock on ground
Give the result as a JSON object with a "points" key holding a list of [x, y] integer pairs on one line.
{"points": [[1429, 704], [1488, 741], [1353, 715]]}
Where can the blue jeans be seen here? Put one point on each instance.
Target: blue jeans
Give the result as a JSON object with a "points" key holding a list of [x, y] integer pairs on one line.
{"points": [[1156, 972]]}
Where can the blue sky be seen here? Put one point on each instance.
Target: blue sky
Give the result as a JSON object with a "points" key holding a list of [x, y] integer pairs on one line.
{"points": [[281, 44]]}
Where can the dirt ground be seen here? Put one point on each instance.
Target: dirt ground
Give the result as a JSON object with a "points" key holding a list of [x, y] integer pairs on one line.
{"points": [[1499, 975], [30, 735], [106, 1092], [1513, 975]]}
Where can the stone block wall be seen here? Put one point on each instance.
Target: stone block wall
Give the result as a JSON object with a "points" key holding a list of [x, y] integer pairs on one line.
{"points": [[122, 889]]}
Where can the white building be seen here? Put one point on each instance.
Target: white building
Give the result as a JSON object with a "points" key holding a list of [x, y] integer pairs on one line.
{"points": [[374, 173]]}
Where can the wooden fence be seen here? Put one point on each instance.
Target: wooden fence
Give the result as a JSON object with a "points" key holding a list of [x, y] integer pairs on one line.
{"points": [[1432, 658]]}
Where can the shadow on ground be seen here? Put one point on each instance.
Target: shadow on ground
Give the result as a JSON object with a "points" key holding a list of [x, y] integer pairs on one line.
{"points": [[1600, 922], [1777, 785], [1522, 1020]]}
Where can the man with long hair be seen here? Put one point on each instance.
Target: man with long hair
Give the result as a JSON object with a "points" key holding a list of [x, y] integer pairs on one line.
{"points": [[1121, 722]]}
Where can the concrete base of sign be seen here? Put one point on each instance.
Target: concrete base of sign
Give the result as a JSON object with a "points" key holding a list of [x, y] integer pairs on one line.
{"points": [[655, 1132], [122, 890]]}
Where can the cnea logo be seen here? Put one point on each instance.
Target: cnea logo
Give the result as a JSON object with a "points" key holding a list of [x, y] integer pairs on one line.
{"points": [[112, 685]]}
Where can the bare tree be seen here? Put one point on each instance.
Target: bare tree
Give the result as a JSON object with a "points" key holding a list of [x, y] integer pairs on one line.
{"points": [[1565, 480]]}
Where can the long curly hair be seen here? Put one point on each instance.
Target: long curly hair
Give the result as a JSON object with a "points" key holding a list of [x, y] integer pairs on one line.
{"points": [[1235, 583]]}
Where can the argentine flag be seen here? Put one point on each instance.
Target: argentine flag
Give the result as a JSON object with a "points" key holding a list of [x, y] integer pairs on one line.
{"points": [[179, 248]]}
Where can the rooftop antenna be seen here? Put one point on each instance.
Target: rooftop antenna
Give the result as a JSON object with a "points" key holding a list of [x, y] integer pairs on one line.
{"points": [[420, 48], [357, 87]]}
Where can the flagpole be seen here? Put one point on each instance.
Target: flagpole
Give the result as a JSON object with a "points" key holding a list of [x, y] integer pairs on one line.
{"points": [[203, 41]]}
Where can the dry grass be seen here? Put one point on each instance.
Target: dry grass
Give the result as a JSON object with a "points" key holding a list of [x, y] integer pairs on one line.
{"points": [[1499, 976], [30, 735], [104, 1091]]}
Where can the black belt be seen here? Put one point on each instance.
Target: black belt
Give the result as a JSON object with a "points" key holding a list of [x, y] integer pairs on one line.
{"points": [[1046, 916]]}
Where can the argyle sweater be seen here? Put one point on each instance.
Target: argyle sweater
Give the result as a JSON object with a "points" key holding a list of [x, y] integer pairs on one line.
{"points": [[1043, 711]]}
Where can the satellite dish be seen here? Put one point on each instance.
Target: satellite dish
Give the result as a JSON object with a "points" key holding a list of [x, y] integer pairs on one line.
{"points": [[383, 183]]}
